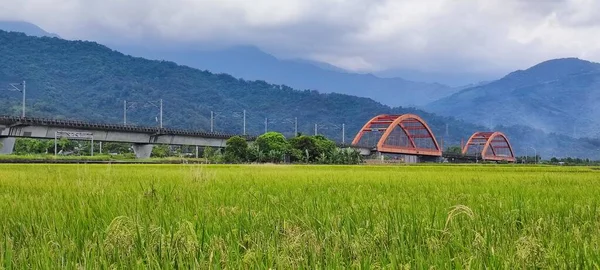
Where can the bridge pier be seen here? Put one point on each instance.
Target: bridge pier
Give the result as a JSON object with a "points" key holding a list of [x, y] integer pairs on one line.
{"points": [[142, 151], [7, 145]]}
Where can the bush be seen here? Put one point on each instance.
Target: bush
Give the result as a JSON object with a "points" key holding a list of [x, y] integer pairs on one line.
{"points": [[236, 150], [273, 146]]}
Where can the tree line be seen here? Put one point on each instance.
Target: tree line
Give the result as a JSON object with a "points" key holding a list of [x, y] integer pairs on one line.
{"points": [[271, 147]]}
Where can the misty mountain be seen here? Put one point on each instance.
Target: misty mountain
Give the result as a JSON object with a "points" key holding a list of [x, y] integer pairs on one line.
{"points": [[559, 96], [26, 28], [251, 63], [450, 78], [87, 81]]}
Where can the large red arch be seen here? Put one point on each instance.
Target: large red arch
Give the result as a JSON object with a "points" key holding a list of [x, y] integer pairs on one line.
{"points": [[402, 134], [493, 146]]}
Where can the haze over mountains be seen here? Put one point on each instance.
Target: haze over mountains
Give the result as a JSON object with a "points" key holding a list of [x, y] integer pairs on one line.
{"points": [[24, 27], [560, 96], [557, 96], [251, 63], [87, 81], [75, 79]]}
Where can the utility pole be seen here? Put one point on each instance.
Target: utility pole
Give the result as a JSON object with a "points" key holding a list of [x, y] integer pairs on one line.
{"points": [[266, 124], [244, 122], [161, 113], [295, 126], [124, 112], [343, 133], [535, 153], [212, 121], [23, 112], [23, 90], [316, 130]]}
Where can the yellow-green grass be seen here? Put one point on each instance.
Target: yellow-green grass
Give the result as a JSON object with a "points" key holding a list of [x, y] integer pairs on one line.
{"points": [[266, 216]]}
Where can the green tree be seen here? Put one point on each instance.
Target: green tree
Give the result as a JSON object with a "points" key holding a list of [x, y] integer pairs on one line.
{"points": [[33, 146], [304, 148], [236, 150], [212, 155], [274, 146], [454, 150], [160, 151], [325, 146]]}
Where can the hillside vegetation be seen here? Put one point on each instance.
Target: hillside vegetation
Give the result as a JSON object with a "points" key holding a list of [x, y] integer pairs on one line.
{"points": [[298, 217], [559, 96], [88, 81], [85, 80]]}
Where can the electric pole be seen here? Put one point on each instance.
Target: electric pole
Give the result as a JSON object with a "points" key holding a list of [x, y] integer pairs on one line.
{"points": [[161, 113], [343, 133], [295, 126], [15, 88], [244, 122], [212, 121], [23, 112], [124, 112], [266, 124]]}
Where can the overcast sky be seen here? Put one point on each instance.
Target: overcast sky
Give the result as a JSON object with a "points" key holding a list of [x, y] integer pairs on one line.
{"points": [[362, 35]]}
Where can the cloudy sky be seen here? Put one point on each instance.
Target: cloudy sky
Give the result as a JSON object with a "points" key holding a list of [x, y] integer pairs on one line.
{"points": [[361, 35]]}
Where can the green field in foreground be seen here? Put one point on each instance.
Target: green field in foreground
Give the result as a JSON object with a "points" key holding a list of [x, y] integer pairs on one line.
{"points": [[184, 216]]}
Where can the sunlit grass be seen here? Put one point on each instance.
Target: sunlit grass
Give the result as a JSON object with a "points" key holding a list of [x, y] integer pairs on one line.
{"points": [[266, 216]]}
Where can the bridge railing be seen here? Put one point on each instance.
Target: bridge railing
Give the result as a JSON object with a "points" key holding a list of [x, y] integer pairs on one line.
{"points": [[13, 120]]}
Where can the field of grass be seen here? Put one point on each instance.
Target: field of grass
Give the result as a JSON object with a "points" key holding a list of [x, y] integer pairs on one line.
{"points": [[264, 216]]}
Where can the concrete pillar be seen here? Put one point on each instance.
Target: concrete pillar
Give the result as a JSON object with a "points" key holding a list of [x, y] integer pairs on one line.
{"points": [[7, 145], [142, 151]]}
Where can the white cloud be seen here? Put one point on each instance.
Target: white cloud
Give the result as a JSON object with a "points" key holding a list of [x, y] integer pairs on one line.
{"points": [[468, 35]]}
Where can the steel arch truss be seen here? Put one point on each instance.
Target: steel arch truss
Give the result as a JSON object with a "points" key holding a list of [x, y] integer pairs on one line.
{"points": [[493, 146], [399, 134]]}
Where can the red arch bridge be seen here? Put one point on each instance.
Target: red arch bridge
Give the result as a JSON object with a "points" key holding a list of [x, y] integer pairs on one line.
{"points": [[408, 137]]}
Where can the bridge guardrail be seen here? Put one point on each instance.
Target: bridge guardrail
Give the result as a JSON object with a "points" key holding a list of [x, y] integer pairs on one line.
{"points": [[13, 120]]}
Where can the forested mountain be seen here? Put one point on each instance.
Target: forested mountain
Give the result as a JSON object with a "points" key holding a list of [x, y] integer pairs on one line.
{"points": [[87, 81], [251, 63], [561, 96]]}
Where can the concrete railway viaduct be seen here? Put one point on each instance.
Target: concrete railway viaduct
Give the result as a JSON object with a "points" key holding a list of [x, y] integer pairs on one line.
{"points": [[407, 137], [142, 138]]}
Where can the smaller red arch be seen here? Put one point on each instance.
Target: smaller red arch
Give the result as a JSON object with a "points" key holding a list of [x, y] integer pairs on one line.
{"points": [[493, 146]]}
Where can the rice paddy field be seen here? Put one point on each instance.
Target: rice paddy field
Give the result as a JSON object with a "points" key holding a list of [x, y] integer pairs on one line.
{"points": [[282, 217]]}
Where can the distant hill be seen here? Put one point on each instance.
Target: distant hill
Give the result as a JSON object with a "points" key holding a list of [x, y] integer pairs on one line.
{"points": [[26, 28], [88, 81], [251, 63], [456, 79], [76, 79], [560, 96]]}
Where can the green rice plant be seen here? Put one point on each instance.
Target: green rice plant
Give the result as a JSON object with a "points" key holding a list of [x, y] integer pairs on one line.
{"points": [[277, 216]]}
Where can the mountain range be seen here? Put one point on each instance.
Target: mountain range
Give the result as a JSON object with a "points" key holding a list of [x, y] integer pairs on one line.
{"points": [[251, 63], [77, 79], [88, 81], [558, 96]]}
